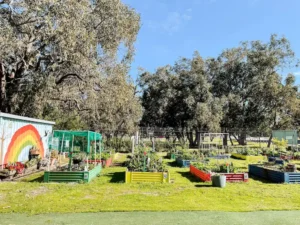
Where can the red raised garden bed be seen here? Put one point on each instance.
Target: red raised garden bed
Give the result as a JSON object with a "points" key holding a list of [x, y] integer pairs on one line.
{"points": [[200, 174], [230, 177], [105, 163]]}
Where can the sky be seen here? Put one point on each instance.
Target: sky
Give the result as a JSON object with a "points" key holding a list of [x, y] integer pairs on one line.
{"points": [[176, 28]]}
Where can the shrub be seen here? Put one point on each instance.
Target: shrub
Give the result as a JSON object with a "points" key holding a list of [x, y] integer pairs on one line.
{"points": [[153, 163], [117, 144], [215, 167]]}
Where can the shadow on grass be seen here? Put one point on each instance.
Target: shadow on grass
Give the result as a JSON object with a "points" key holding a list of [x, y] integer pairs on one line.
{"points": [[173, 164], [190, 177], [261, 180], [203, 185], [116, 177]]}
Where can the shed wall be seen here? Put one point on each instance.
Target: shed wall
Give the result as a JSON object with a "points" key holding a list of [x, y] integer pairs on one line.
{"points": [[17, 136]]}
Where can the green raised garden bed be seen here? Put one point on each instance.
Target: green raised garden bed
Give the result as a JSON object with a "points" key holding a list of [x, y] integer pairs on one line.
{"points": [[72, 176], [171, 156]]}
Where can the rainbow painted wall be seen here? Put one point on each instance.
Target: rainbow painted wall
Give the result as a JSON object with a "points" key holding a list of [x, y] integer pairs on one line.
{"points": [[19, 134]]}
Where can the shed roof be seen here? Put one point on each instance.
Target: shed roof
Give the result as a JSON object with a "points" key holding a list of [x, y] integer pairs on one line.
{"points": [[23, 118]]}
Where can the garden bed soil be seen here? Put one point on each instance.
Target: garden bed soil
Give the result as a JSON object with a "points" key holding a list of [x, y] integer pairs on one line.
{"points": [[230, 177]]}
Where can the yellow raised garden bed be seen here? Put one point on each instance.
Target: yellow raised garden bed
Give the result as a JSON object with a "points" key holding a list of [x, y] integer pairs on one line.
{"points": [[248, 157], [159, 177]]}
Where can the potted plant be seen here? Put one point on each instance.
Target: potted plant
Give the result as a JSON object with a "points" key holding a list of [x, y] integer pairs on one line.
{"points": [[218, 180]]}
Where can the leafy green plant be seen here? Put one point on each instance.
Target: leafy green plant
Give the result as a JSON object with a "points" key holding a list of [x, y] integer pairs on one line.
{"points": [[150, 162], [215, 167], [281, 145]]}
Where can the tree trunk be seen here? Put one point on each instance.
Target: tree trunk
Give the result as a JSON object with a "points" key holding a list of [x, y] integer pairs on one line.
{"points": [[190, 138], [269, 141], [242, 139], [225, 142], [230, 140]]}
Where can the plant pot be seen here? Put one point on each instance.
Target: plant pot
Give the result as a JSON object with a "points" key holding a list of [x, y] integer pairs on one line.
{"points": [[219, 181]]}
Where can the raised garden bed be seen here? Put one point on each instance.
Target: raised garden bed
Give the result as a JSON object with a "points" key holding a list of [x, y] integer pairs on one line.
{"points": [[183, 162], [230, 177], [171, 156], [273, 175], [157, 177], [219, 157], [248, 157], [72, 176]]}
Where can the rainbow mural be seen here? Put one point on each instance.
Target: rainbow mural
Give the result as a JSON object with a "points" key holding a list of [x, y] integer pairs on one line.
{"points": [[22, 138]]}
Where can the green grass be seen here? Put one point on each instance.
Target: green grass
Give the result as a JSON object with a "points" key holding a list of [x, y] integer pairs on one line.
{"points": [[109, 193], [154, 218]]}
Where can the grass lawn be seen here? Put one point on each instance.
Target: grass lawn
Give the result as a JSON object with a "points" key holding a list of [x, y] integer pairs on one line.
{"points": [[109, 193], [155, 218]]}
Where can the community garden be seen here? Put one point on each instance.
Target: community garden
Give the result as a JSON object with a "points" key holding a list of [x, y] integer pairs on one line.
{"points": [[152, 181]]}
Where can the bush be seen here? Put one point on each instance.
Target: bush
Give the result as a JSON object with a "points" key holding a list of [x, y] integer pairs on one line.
{"points": [[215, 167], [185, 155], [118, 145], [153, 163]]}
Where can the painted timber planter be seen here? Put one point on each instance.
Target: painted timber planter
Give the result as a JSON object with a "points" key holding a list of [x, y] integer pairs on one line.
{"points": [[72, 176], [157, 177], [248, 157], [273, 175], [230, 177], [183, 163]]}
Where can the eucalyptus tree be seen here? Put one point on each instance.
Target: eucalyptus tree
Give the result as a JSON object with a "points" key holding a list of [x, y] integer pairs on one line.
{"points": [[249, 76], [52, 52], [179, 97]]}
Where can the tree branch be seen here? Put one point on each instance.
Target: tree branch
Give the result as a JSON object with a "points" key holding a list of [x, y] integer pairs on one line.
{"points": [[60, 80]]}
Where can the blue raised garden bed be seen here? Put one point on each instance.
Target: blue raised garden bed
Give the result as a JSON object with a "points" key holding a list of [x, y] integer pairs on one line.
{"points": [[273, 175], [183, 162], [220, 157]]}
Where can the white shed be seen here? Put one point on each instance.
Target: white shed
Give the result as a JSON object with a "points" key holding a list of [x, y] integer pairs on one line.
{"points": [[18, 134]]}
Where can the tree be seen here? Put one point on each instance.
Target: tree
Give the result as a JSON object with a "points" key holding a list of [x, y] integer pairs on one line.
{"points": [[179, 97], [53, 52], [116, 108], [248, 77]]}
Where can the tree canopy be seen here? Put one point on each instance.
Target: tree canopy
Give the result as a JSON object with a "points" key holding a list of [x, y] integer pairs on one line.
{"points": [[240, 90], [58, 55]]}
